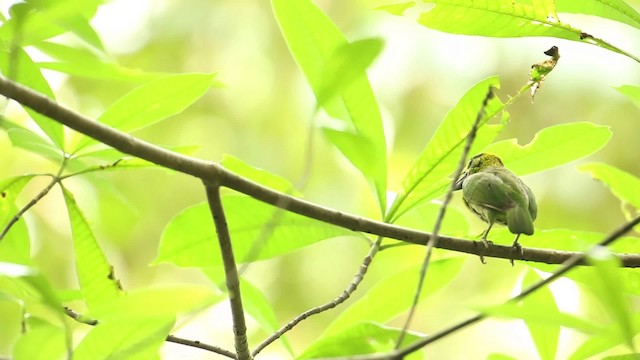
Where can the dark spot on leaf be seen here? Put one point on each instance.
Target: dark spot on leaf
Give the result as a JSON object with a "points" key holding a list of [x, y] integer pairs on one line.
{"points": [[4, 194]]}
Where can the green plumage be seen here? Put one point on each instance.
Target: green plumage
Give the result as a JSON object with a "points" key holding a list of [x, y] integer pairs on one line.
{"points": [[497, 195]]}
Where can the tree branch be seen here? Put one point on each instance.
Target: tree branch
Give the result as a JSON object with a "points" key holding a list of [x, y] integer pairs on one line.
{"points": [[213, 172], [230, 272]]}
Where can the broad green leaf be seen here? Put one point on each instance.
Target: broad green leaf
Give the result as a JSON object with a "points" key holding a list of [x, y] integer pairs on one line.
{"points": [[260, 176], [124, 339], [87, 63], [163, 302], [375, 305], [622, 184], [26, 139], [508, 18], [424, 216], [538, 317], [154, 101], [190, 238], [18, 66], [345, 65], [551, 147], [630, 356], [316, 43], [442, 154], [545, 337], [610, 291], [616, 10], [95, 275], [362, 338], [44, 342], [632, 92], [15, 246]]}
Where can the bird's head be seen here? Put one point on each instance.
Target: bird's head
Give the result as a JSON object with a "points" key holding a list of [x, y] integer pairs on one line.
{"points": [[479, 163]]}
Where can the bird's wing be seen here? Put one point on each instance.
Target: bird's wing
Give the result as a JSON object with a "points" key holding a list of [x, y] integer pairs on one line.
{"points": [[488, 189]]}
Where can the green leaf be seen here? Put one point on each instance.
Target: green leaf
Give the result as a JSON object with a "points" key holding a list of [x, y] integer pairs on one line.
{"points": [[26, 139], [124, 339], [442, 154], [162, 302], [190, 238], [632, 92], [260, 176], [15, 247], [551, 147], [95, 275], [87, 63], [507, 18], [19, 67], [44, 342], [152, 102], [616, 10], [622, 184], [318, 45], [375, 304], [362, 338], [545, 337]]}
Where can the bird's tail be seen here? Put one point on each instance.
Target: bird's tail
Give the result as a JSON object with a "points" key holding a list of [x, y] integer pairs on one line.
{"points": [[519, 221]]}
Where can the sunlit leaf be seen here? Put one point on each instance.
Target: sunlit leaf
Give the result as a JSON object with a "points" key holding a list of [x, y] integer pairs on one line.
{"points": [[316, 42], [124, 339], [15, 247], [190, 238], [260, 176], [44, 342], [508, 18], [616, 10], [622, 184], [442, 154], [18, 66], [86, 63], [546, 336], [375, 304], [362, 338], [95, 275], [632, 92], [551, 147], [154, 101], [26, 139]]}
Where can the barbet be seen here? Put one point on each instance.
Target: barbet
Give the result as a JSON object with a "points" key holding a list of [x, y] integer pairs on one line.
{"points": [[497, 195]]}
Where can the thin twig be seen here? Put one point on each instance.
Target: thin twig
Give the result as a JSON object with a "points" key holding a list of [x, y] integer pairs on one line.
{"points": [[433, 240], [208, 171], [54, 180], [230, 272], [170, 338], [364, 266]]}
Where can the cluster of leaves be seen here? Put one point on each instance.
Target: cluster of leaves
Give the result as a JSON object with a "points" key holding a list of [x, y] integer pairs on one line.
{"points": [[134, 324]]}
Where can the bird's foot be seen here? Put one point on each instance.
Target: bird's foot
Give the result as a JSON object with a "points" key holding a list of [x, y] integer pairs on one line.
{"points": [[486, 244], [517, 251]]}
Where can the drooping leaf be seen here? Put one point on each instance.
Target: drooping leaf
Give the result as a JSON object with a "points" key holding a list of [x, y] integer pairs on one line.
{"points": [[190, 238], [260, 176], [507, 18], [86, 63], [361, 338], [375, 305], [15, 246], [153, 101], [95, 275], [16, 64], [318, 45], [124, 339], [551, 147], [632, 92], [616, 10], [26, 139], [622, 184], [546, 336], [442, 154]]}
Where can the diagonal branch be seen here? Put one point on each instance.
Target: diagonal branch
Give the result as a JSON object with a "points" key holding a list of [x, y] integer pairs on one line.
{"points": [[230, 272], [209, 171]]}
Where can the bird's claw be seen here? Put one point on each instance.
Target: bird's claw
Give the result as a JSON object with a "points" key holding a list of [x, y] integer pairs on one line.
{"points": [[517, 250]]}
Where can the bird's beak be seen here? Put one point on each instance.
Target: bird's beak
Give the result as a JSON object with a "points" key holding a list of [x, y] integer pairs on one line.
{"points": [[458, 184]]}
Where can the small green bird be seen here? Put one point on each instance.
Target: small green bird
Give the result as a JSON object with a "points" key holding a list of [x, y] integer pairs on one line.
{"points": [[497, 195]]}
